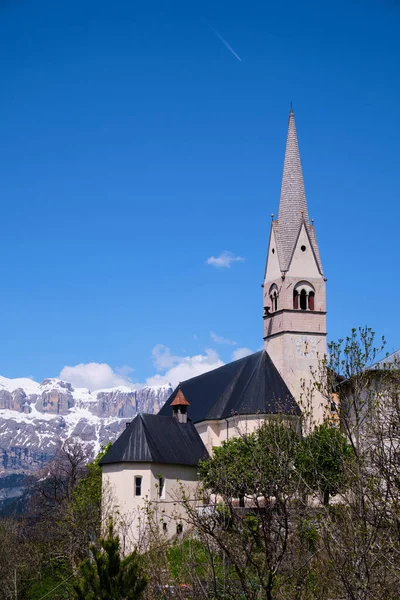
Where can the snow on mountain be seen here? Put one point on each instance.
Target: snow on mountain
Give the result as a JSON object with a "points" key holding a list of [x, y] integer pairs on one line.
{"points": [[28, 385], [35, 418]]}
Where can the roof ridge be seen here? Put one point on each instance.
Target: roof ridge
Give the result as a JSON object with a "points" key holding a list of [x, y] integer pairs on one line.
{"points": [[150, 442], [314, 245], [240, 387], [213, 370]]}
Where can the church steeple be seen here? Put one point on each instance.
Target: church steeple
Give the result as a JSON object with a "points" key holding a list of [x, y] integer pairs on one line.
{"points": [[294, 284], [293, 211]]}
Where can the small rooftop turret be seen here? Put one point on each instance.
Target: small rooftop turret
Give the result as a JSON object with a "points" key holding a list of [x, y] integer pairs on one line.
{"points": [[179, 407]]}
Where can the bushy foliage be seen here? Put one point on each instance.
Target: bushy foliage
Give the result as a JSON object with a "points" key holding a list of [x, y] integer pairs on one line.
{"points": [[55, 583], [254, 464], [83, 514], [322, 458], [105, 575], [41, 550], [275, 458]]}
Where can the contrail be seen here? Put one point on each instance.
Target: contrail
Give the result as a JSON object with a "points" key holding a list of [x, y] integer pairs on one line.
{"points": [[219, 36]]}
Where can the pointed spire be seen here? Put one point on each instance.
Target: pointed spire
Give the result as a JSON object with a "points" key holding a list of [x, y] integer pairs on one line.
{"points": [[293, 211], [293, 204]]}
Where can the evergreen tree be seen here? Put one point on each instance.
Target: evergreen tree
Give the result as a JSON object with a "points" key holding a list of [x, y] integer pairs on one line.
{"points": [[107, 576]]}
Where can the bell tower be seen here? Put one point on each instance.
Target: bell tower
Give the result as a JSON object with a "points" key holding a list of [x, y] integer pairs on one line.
{"points": [[294, 285]]}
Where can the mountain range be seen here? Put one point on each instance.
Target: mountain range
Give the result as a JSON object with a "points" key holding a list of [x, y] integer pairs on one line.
{"points": [[35, 418]]}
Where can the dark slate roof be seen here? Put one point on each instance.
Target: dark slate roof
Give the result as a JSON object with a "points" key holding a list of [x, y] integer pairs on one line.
{"points": [[154, 438], [251, 385]]}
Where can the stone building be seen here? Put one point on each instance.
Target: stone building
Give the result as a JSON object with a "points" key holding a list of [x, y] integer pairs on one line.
{"points": [[205, 410]]}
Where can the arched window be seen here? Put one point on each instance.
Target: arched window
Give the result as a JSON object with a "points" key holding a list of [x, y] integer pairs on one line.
{"points": [[303, 300], [295, 299], [273, 295], [304, 296], [311, 297]]}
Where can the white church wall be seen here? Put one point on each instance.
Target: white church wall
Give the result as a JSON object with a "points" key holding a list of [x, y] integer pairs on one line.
{"points": [[213, 433], [119, 481], [132, 509], [239, 425], [209, 431], [121, 477], [168, 510]]}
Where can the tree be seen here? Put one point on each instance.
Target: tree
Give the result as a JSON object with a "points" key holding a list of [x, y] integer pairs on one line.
{"points": [[67, 505], [253, 464], [19, 559], [283, 546], [86, 510], [360, 534], [321, 460], [60, 477], [229, 471], [65, 517], [256, 540], [107, 576]]}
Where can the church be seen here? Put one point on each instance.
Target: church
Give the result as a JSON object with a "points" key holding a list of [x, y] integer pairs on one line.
{"points": [[155, 452]]}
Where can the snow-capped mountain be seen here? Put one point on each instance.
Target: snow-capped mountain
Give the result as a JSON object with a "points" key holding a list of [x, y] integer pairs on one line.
{"points": [[36, 417]]}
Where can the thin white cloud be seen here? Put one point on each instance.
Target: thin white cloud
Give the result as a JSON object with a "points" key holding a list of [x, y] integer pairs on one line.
{"points": [[221, 340], [125, 371], [224, 260], [163, 358], [181, 368], [241, 353], [172, 368], [223, 40], [96, 376]]}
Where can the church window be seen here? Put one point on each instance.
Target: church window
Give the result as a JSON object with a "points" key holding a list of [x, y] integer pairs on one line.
{"points": [[273, 250], [161, 487], [295, 299], [311, 297], [304, 296], [303, 300], [275, 301], [303, 248], [273, 295], [138, 486], [179, 529], [164, 527]]}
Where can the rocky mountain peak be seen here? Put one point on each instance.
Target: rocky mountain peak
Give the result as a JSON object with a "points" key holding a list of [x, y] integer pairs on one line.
{"points": [[35, 418]]}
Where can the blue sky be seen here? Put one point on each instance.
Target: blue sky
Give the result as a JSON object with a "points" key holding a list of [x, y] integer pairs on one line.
{"points": [[134, 145]]}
